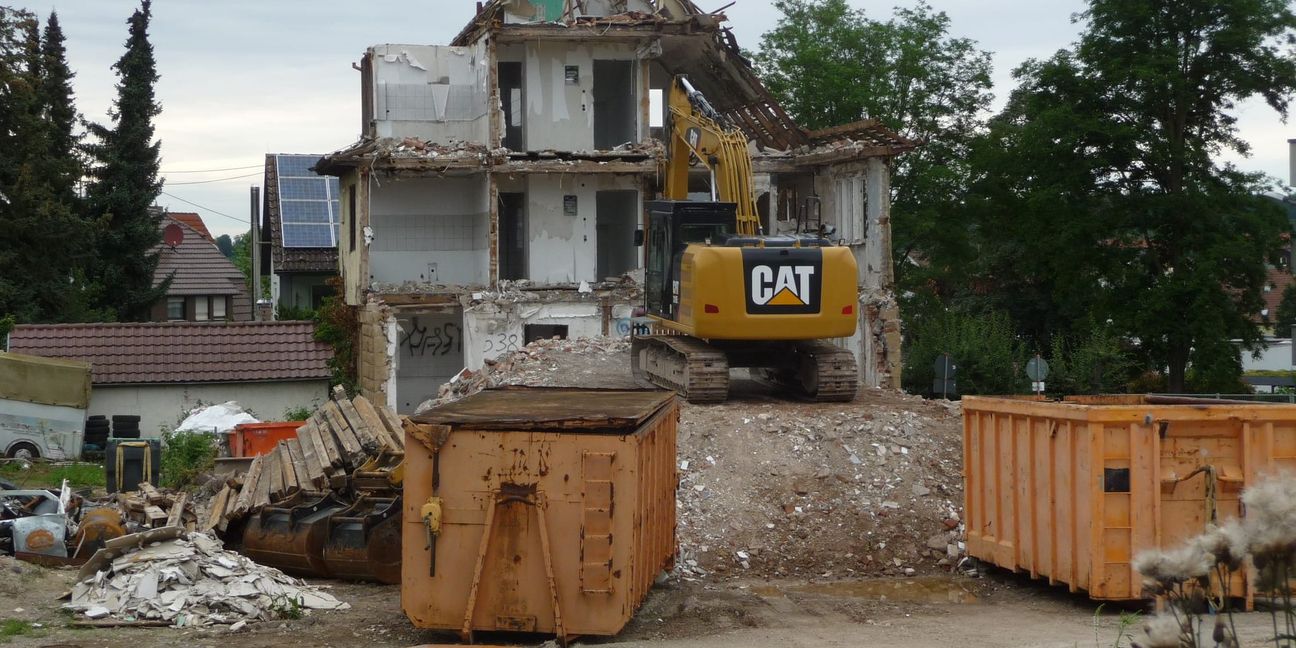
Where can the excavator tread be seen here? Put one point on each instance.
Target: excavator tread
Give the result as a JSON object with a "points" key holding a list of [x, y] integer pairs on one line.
{"points": [[698, 371], [838, 373]]}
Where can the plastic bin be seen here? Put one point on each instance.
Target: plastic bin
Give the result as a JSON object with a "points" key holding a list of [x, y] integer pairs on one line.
{"points": [[557, 510], [1071, 491], [255, 439]]}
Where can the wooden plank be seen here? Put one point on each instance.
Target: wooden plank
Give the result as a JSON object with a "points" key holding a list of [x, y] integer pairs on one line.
{"points": [[393, 423], [368, 440], [156, 516], [218, 507], [177, 510], [375, 423], [275, 465], [322, 434], [319, 466], [290, 482], [299, 463], [352, 453], [151, 494], [306, 445], [225, 516], [250, 484]]}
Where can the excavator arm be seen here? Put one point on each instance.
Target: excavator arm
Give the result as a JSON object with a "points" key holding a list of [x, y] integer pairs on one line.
{"points": [[698, 131]]}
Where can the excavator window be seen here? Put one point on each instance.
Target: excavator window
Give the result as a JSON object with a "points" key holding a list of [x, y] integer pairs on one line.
{"points": [[703, 232]]}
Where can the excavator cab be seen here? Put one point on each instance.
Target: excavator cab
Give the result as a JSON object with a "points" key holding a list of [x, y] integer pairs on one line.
{"points": [[672, 226]]}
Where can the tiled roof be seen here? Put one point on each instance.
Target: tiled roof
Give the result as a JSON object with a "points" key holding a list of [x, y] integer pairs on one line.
{"points": [[194, 221], [181, 352], [290, 259], [199, 266]]}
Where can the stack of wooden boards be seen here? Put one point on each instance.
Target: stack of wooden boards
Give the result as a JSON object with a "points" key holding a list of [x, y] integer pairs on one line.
{"points": [[152, 508], [343, 435]]}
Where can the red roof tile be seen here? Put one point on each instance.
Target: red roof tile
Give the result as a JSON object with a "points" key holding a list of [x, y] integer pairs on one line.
{"points": [[194, 221], [181, 352], [196, 266]]}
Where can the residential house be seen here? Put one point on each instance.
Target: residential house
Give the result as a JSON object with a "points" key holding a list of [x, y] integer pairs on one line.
{"points": [[300, 224], [496, 189], [205, 286], [161, 370]]}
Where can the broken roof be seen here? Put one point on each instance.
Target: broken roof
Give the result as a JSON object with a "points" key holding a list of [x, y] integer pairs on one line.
{"points": [[182, 352], [196, 266]]}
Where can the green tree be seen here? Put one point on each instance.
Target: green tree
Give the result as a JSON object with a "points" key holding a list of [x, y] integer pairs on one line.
{"points": [[60, 111], [125, 181], [1286, 314], [830, 64], [44, 238], [225, 245]]}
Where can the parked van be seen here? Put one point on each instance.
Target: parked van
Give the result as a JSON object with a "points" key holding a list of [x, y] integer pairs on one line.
{"points": [[43, 405]]}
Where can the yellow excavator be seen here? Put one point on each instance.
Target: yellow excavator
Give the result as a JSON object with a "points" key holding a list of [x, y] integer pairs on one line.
{"points": [[719, 293]]}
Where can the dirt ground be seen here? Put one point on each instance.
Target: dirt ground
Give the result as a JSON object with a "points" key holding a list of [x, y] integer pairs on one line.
{"points": [[800, 524]]}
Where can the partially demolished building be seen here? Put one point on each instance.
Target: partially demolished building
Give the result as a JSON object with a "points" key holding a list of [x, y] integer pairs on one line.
{"points": [[495, 192]]}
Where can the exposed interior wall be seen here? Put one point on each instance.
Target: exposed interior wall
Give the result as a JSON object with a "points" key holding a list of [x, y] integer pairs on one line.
{"points": [[527, 11], [429, 351], [166, 405], [435, 92], [493, 329], [352, 251], [559, 106], [562, 224], [618, 215], [430, 230]]}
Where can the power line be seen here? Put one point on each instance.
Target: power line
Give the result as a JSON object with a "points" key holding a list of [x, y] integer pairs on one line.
{"points": [[254, 166], [194, 182], [205, 208]]}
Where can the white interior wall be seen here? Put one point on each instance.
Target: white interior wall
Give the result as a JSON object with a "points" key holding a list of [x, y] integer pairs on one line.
{"points": [[434, 92], [431, 230], [563, 247], [560, 115], [429, 351], [492, 330]]}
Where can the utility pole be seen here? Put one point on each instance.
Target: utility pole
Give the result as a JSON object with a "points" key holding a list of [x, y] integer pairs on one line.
{"points": [[256, 254]]}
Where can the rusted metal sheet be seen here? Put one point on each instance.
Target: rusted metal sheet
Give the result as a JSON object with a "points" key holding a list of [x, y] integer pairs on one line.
{"points": [[538, 510]]}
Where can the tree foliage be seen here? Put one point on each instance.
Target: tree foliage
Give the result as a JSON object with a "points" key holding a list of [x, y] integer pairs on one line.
{"points": [[225, 245], [830, 65], [125, 181], [1286, 315]]}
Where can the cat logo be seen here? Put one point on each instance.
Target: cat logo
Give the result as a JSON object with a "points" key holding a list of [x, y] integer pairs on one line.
{"points": [[782, 281], [781, 286]]}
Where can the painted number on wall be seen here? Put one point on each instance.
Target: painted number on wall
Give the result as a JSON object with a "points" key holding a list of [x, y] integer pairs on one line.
{"points": [[501, 343]]}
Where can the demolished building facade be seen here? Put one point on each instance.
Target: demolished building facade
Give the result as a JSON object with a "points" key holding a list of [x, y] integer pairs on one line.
{"points": [[495, 193]]}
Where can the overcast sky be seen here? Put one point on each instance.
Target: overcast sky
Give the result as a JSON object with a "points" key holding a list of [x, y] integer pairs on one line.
{"points": [[242, 78]]}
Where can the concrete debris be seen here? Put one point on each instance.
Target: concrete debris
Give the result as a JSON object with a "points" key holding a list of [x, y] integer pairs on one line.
{"points": [[861, 489], [188, 579]]}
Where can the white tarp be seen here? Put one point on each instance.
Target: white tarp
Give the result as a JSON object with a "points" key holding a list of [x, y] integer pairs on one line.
{"points": [[216, 418]]}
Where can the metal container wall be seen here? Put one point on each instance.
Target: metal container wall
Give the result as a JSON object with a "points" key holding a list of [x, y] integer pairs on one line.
{"points": [[1071, 491], [558, 510], [255, 439]]}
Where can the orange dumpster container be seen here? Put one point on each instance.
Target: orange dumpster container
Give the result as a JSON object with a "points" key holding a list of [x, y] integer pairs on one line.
{"points": [[538, 510], [255, 439], [1071, 491]]}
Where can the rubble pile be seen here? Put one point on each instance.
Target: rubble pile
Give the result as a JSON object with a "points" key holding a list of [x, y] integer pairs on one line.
{"points": [[545, 363], [187, 579], [771, 487], [150, 508]]}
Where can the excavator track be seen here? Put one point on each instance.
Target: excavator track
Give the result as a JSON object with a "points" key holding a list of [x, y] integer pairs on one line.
{"points": [[827, 373], [696, 370]]}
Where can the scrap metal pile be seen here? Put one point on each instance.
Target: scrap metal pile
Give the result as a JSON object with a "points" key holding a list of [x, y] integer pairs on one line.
{"points": [[168, 576], [326, 503]]}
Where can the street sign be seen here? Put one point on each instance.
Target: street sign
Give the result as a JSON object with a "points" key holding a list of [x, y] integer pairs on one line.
{"points": [[945, 369], [1037, 370]]}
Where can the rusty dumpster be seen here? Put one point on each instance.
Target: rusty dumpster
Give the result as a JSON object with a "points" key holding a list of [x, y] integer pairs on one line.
{"points": [[1072, 490], [538, 510]]}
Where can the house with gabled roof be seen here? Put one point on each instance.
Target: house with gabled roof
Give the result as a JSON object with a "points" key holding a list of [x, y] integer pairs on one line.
{"points": [[301, 212], [205, 286]]}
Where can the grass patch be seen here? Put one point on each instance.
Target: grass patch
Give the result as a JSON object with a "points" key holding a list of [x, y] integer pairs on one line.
{"points": [[10, 628], [40, 474]]}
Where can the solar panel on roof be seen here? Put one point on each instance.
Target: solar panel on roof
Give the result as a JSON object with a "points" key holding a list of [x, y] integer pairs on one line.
{"points": [[309, 205]]}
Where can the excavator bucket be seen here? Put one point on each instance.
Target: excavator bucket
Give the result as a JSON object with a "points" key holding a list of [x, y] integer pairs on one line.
{"points": [[290, 535], [364, 541]]}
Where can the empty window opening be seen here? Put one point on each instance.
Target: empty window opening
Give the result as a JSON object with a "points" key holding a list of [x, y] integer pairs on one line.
{"points": [[614, 104], [512, 236], [763, 211], [616, 221], [510, 87], [533, 332]]}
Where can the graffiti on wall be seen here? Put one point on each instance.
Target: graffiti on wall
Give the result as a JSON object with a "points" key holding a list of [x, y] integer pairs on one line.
{"points": [[421, 339]]}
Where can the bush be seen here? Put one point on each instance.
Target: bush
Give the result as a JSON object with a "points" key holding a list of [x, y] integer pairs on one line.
{"points": [[185, 455], [299, 413], [336, 325], [1096, 363], [990, 357]]}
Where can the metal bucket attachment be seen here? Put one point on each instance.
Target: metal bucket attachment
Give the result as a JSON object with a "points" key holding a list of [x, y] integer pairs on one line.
{"points": [[291, 534], [364, 542]]}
